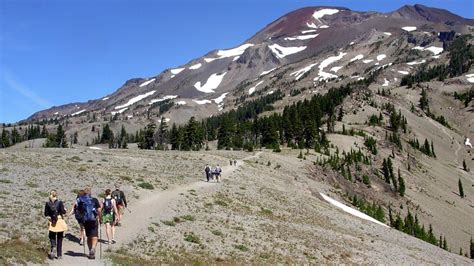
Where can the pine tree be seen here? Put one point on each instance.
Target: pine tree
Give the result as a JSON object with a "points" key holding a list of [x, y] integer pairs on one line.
{"points": [[461, 190], [423, 100], [472, 248], [61, 137], [147, 140], [432, 150], [464, 165], [107, 135], [431, 238], [5, 141], [401, 183], [162, 135], [175, 139], [445, 244]]}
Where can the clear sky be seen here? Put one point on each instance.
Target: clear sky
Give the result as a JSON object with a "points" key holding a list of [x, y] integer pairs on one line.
{"points": [[54, 52]]}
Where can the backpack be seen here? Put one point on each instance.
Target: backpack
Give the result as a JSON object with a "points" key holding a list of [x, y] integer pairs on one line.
{"points": [[117, 195], [85, 209], [53, 210], [108, 205], [207, 169]]}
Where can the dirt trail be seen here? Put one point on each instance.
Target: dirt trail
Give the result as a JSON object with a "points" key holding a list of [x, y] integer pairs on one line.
{"points": [[459, 147], [152, 205]]}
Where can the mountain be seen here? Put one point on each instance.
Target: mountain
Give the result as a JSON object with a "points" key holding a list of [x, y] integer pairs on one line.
{"points": [[375, 109], [207, 85]]}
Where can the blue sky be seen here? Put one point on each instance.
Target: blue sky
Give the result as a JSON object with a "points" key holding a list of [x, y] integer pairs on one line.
{"points": [[54, 52]]}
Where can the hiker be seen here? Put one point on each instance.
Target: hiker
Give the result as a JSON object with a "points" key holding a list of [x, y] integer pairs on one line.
{"points": [[54, 210], [217, 173], [120, 201], [77, 216], [235, 162], [90, 214], [208, 172], [230, 161], [109, 216]]}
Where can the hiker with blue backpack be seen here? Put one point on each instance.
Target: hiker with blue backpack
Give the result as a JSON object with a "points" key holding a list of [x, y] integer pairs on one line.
{"points": [[89, 213], [77, 216], [109, 216], [54, 210]]}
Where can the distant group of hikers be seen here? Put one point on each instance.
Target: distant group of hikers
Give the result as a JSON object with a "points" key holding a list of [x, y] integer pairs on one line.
{"points": [[90, 213], [214, 173]]}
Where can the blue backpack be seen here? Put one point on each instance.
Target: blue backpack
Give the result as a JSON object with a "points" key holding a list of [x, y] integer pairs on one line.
{"points": [[85, 210]]}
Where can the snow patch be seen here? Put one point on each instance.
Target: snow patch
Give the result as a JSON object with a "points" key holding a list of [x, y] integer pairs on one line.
{"points": [[234, 51], [196, 66], [387, 33], [146, 83], [366, 61], [308, 31], [208, 60], [267, 71], [220, 99], [326, 62], [470, 78], [435, 50], [468, 143], [167, 97], [56, 113], [180, 103], [301, 72], [302, 37], [105, 98], [352, 43], [381, 57], [323, 26], [409, 28], [403, 72], [235, 58], [385, 83], [335, 69], [416, 62], [119, 111], [134, 100], [357, 57], [211, 84], [252, 90], [95, 148], [76, 113], [176, 71], [270, 92], [201, 102], [281, 51], [351, 210], [324, 12]]}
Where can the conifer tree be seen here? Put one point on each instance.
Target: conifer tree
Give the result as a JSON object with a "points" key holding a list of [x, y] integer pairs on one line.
{"points": [[431, 238], [61, 137], [461, 190], [162, 135], [107, 135], [472, 248], [147, 140], [432, 150], [423, 99], [5, 141], [401, 183], [464, 165]]}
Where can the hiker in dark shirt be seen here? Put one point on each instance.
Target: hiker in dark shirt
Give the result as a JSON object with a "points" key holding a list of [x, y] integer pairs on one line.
{"points": [[54, 210], [208, 172], [90, 213], [121, 202]]}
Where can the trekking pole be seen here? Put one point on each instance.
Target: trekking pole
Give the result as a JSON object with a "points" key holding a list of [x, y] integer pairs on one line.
{"points": [[100, 240], [129, 211]]}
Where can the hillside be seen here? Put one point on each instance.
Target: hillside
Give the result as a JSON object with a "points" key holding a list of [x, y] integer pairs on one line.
{"points": [[373, 110]]}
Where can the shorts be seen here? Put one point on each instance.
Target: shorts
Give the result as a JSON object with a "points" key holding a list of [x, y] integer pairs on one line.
{"points": [[91, 228], [108, 218]]}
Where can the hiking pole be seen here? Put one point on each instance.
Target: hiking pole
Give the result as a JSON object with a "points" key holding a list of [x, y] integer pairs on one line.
{"points": [[129, 211], [100, 240]]}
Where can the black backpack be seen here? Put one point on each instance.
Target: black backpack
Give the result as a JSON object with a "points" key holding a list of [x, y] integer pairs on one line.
{"points": [[108, 205], [117, 195], [53, 210]]}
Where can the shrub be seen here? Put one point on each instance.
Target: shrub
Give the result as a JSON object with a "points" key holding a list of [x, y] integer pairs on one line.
{"points": [[191, 237], [146, 185]]}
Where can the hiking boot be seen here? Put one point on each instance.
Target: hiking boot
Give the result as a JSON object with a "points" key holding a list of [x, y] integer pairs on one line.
{"points": [[113, 241], [81, 242], [51, 256], [92, 254], [59, 257]]}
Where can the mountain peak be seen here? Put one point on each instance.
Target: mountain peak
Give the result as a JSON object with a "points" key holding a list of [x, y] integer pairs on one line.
{"points": [[436, 15]]}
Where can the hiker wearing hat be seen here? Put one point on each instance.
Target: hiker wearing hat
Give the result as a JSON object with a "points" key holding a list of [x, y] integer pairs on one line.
{"points": [[54, 210], [120, 201]]}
